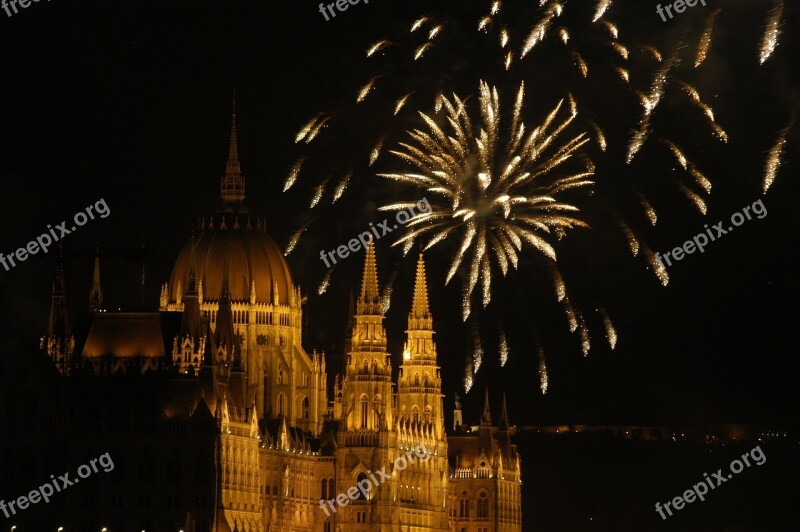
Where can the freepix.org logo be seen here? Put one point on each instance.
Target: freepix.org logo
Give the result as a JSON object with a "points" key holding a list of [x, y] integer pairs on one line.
{"points": [[44, 241], [364, 486], [355, 244]]}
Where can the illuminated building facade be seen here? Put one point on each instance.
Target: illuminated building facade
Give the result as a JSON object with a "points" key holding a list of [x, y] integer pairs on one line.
{"points": [[224, 359]]}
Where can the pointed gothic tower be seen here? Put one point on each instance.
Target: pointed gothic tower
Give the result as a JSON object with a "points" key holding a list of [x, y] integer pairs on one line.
{"points": [[59, 342], [96, 294], [232, 183], [368, 377], [419, 387], [421, 407], [189, 345]]}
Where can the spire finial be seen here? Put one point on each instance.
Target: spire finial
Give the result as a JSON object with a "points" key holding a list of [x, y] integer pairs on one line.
{"points": [[504, 414], [191, 285], [419, 307], [232, 184], [369, 300], [96, 294], [486, 419]]}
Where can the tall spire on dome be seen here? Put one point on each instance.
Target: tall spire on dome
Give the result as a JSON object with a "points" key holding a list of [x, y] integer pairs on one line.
{"points": [[96, 294], [369, 300], [232, 183]]}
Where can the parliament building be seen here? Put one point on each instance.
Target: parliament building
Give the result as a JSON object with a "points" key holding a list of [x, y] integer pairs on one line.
{"points": [[218, 419]]}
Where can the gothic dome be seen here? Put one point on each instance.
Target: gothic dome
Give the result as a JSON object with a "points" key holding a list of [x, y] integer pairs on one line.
{"points": [[252, 254], [229, 238]]}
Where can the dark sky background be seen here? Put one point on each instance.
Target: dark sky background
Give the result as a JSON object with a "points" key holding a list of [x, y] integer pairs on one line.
{"points": [[130, 102]]}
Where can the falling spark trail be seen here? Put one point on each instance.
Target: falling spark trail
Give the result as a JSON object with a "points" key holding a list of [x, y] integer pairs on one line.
{"points": [[655, 264], [293, 173], [543, 378], [418, 23], [341, 186], [306, 129], [503, 348], [376, 151], [377, 47], [774, 158], [365, 89], [602, 7], [772, 32], [583, 330], [698, 202], [648, 209], [323, 287], [630, 237], [611, 332], [705, 38]]}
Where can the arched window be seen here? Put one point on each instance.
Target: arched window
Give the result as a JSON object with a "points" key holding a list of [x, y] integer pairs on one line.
{"points": [[415, 413], [360, 495], [463, 505], [305, 408], [331, 488], [366, 366], [364, 411], [325, 495], [416, 379], [428, 413], [483, 505], [377, 402], [282, 405], [483, 471]]}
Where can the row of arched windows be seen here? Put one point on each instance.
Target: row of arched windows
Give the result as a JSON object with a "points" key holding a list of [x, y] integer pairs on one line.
{"points": [[481, 506]]}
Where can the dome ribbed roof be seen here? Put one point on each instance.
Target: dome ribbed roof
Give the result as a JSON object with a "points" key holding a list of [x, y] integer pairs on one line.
{"points": [[254, 256]]}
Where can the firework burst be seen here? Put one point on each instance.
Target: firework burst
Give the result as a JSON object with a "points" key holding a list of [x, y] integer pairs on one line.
{"points": [[499, 189], [494, 193]]}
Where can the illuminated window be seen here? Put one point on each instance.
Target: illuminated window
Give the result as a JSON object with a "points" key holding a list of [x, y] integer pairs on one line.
{"points": [[483, 505], [364, 411], [360, 495]]}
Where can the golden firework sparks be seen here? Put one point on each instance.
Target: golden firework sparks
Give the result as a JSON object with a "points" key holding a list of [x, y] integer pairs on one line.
{"points": [[602, 7], [772, 32], [705, 38], [510, 201], [774, 158]]}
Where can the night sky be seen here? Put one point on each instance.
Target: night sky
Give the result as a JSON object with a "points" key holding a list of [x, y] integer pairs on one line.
{"points": [[131, 101]]}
